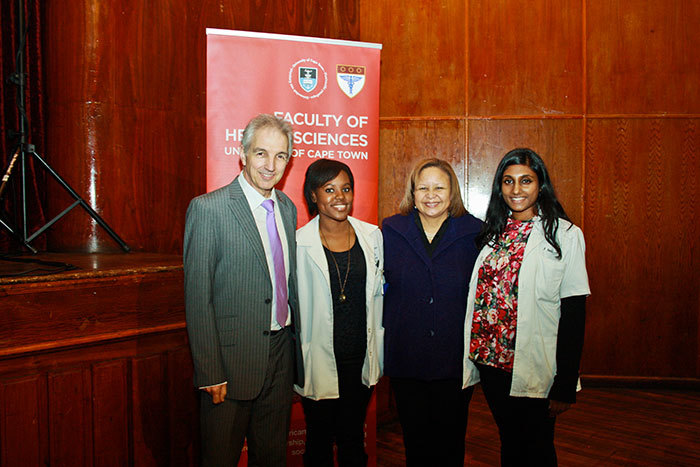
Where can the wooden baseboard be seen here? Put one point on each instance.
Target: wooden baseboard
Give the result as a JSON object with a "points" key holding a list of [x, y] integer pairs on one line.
{"points": [[646, 382]]}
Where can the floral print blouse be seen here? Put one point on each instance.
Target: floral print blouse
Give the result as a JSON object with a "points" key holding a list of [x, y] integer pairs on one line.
{"points": [[496, 303]]}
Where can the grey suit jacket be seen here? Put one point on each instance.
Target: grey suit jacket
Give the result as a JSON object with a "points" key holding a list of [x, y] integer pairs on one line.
{"points": [[228, 291]]}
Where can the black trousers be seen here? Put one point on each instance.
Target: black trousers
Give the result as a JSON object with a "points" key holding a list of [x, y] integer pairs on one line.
{"points": [[524, 425], [339, 420], [433, 416]]}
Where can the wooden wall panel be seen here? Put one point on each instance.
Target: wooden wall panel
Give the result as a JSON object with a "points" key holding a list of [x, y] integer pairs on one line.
{"points": [[125, 119], [142, 188], [100, 357], [558, 142], [70, 417], [403, 143], [183, 403], [110, 413], [525, 58], [423, 58], [126, 107], [642, 200], [336, 20], [152, 68], [150, 411], [90, 310], [23, 433], [642, 57], [126, 402]]}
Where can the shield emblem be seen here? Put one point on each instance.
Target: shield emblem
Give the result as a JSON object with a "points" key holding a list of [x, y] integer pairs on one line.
{"points": [[351, 79], [308, 78]]}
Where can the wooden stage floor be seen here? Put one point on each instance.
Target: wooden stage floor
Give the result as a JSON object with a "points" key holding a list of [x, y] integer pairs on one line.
{"points": [[607, 427], [26, 269]]}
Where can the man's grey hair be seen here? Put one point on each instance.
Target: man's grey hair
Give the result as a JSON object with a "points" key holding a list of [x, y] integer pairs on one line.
{"points": [[267, 121]]}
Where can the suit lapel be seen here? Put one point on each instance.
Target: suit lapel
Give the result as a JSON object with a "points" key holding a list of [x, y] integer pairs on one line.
{"points": [[288, 220], [288, 211], [449, 236], [413, 236], [415, 239], [241, 211]]}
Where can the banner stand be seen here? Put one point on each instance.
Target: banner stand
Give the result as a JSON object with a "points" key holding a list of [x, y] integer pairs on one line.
{"points": [[329, 91]]}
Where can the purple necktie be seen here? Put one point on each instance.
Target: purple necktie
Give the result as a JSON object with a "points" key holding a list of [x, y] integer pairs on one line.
{"points": [[278, 262]]}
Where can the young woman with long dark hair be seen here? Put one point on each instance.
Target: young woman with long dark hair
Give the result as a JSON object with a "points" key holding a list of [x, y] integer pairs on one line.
{"points": [[526, 310]]}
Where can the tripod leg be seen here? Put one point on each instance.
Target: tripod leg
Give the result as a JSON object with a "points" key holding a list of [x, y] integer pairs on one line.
{"points": [[86, 206], [17, 236]]}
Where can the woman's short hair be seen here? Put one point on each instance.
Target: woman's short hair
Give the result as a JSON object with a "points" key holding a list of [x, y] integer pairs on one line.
{"points": [[408, 202], [267, 121], [318, 174]]}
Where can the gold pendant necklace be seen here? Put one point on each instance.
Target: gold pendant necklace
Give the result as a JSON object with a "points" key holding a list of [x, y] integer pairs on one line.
{"points": [[341, 296]]}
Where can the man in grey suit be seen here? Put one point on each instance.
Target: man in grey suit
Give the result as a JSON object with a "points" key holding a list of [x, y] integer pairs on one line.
{"points": [[241, 303]]}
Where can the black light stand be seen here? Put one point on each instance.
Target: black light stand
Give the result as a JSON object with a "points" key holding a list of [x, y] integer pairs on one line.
{"points": [[25, 150]]}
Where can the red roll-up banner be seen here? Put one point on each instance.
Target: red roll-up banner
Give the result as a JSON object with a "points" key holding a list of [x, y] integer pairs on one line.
{"points": [[329, 91]]}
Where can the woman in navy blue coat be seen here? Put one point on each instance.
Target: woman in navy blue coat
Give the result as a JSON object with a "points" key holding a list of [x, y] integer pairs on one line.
{"points": [[429, 253]]}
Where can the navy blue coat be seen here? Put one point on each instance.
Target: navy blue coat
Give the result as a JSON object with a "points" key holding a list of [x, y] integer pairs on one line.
{"points": [[426, 297]]}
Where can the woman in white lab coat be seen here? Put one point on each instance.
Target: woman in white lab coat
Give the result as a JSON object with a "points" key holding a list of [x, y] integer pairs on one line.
{"points": [[340, 262], [526, 310]]}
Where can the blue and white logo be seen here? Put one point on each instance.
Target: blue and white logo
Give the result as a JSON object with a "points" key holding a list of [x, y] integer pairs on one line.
{"points": [[351, 79], [307, 78]]}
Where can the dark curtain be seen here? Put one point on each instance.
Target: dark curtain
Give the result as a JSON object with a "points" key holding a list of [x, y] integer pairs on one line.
{"points": [[10, 36]]}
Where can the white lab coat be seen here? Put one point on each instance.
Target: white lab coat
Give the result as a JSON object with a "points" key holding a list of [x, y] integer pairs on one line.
{"points": [[316, 309], [542, 282]]}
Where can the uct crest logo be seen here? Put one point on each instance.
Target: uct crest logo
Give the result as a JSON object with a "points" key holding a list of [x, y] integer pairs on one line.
{"points": [[307, 78], [351, 79]]}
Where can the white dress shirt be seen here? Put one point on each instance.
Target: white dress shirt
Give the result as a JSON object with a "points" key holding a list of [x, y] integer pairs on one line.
{"points": [[255, 200]]}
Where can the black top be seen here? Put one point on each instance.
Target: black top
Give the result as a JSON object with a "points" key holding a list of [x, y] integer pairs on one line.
{"points": [[349, 316], [572, 325], [430, 246]]}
